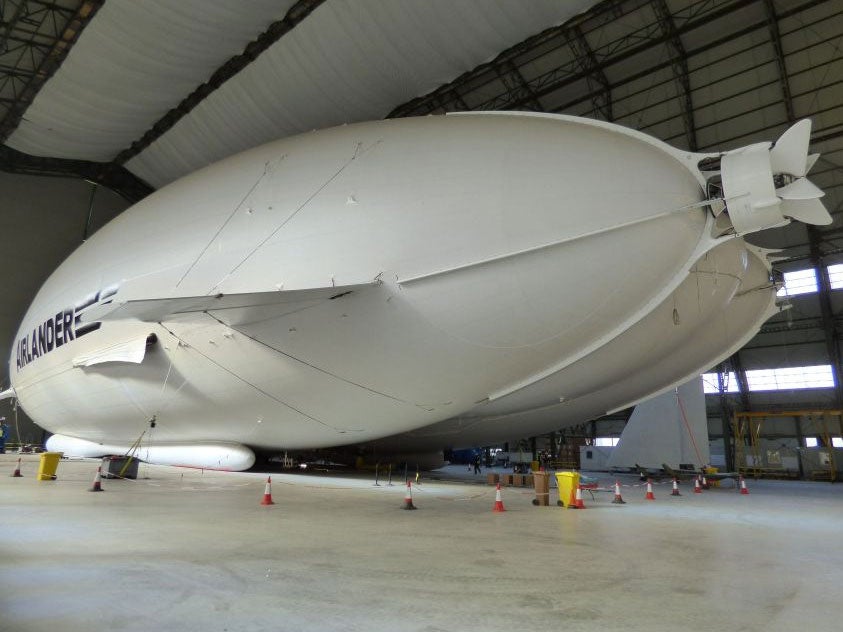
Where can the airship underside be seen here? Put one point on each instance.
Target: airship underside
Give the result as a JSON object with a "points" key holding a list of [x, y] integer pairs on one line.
{"points": [[417, 282]]}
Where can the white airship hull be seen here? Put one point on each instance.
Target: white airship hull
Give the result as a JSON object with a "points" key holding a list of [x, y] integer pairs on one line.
{"points": [[440, 281]]}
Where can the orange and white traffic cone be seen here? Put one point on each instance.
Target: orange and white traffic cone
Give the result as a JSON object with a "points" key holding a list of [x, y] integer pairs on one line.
{"points": [[408, 497], [97, 486], [498, 502], [744, 490], [267, 492], [697, 489], [618, 500], [578, 503], [675, 491], [649, 495], [16, 473], [705, 484]]}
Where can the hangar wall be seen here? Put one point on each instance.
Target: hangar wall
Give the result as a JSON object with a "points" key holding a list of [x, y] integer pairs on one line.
{"points": [[44, 220]]}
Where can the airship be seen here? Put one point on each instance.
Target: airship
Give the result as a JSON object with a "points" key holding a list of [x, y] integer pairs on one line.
{"points": [[411, 284]]}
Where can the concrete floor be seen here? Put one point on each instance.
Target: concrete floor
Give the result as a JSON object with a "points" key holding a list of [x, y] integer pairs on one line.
{"points": [[187, 550]]}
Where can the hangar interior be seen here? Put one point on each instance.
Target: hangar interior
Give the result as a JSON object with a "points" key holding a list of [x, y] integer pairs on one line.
{"points": [[103, 102]]}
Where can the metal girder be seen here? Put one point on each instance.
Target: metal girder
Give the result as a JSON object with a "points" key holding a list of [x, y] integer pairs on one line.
{"points": [[35, 42], [776, 41], [802, 324], [548, 40], [832, 340], [112, 176], [568, 72], [679, 64], [298, 12], [725, 419], [514, 82], [571, 70], [601, 99], [629, 45], [740, 376]]}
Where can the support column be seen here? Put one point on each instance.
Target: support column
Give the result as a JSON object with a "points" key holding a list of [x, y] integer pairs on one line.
{"points": [[725, 420], [800, 437], [740, 376], [832, 341]]}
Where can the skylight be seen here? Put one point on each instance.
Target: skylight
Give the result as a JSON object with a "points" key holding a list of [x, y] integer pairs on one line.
{"points": [[835, 276], [606, 441], [790, 378], [800, 282]]}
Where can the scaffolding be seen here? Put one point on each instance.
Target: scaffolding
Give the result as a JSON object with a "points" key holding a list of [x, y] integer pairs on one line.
{"points": [[751, 459], [829, 472]]}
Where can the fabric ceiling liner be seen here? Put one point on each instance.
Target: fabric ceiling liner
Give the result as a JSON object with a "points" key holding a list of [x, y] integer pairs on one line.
{"points": [[350, 60], [131, 65]]}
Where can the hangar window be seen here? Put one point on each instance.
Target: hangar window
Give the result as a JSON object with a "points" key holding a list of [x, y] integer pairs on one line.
{"points": [[813, 442], [790, 378], [606, 441], [835, 276], [730, 384], [799, 282]]}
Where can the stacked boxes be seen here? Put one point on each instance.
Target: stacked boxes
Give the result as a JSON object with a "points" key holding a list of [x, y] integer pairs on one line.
{"points": [[569, 456], [512, 480]]}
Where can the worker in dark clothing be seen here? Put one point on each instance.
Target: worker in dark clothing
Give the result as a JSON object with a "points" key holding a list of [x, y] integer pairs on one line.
{"points": [[4, 433], [477, 464]]}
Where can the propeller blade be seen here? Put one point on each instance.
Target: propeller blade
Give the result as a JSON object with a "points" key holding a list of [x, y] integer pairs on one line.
{"points": [[808, 211], [801, 189], [789, 153], [812, 160]]}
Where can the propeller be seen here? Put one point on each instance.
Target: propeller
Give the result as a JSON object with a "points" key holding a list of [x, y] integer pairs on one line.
{"points": [[801, 189], [808, 211], [790, 153], [750, 176], [789, 157]]}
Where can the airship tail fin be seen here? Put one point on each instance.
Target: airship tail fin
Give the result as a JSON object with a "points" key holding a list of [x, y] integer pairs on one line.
{"points": [[765, 184]]}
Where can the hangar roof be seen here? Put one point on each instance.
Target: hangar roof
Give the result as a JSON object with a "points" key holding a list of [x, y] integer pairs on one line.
{"points": [[164, 88], [343, 61]]}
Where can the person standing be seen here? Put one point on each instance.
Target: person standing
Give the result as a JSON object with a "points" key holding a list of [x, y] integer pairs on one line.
{"points": [[477, 464]]}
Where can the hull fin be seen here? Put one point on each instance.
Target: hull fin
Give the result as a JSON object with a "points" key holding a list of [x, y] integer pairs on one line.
{"points": [[161, 309]]}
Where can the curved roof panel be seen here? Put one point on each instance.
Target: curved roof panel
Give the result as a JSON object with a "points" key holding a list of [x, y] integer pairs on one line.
{"points": [[349, 61], [134, 62]]}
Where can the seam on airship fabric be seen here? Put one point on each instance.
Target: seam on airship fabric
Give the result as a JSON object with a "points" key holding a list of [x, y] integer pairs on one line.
{"points": [[358, 153], [257, 388], [426, 407], [237, 207]]}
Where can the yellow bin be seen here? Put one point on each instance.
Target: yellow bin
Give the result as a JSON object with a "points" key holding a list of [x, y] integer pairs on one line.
{"points": [[567, 483], [712, 470], [48, 466]]}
